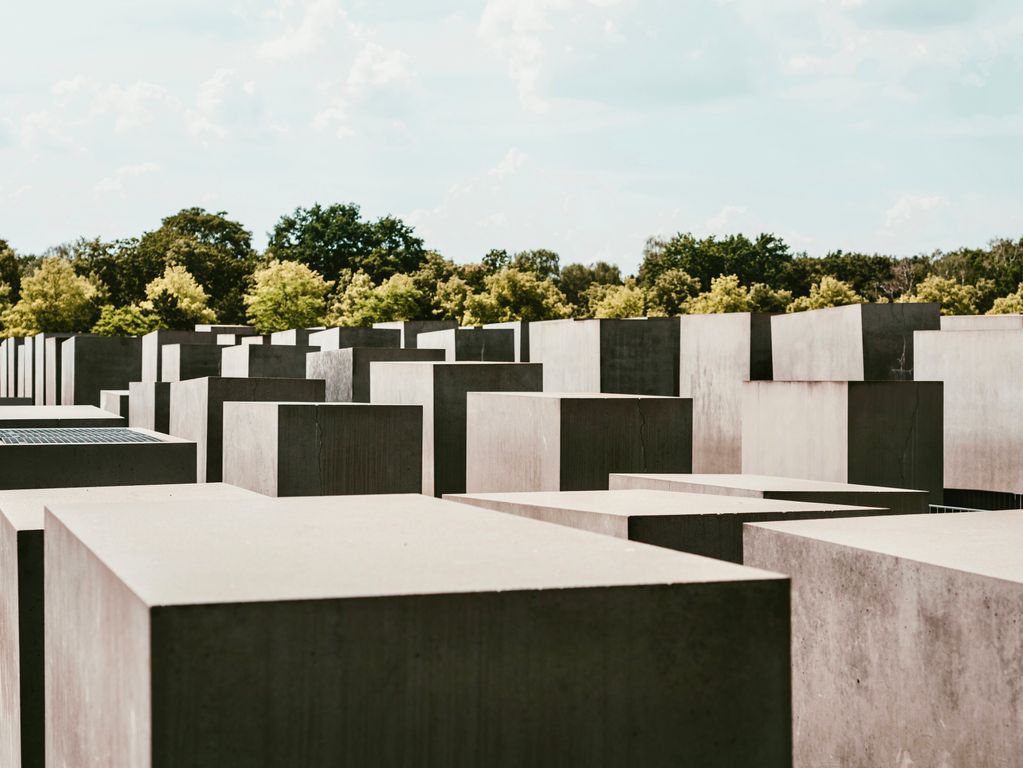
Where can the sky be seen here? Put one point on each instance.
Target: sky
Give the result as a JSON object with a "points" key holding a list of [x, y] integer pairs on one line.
{"points": [[583, 126]]}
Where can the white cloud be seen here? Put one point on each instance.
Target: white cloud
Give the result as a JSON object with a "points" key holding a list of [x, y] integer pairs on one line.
{"points": [[115, 182], [510, 163], [375, 65], [723, 220], [130, 106], [909, 207], [308, 35]]}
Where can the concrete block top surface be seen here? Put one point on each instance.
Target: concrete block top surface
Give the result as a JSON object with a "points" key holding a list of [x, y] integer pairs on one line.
{"points": [[981, 322], [11, 413], [983, 543], [577, 395], [186, 553], [648, 503], [24, 509], [755, 483]]}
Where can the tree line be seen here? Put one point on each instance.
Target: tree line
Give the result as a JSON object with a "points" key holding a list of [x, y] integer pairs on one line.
{"points": [[331, 265]]}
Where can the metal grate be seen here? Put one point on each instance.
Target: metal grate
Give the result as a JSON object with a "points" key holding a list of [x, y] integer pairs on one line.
{"points": [[73, 436]]}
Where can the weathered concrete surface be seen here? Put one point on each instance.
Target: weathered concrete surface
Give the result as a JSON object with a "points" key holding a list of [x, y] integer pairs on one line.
{"points": [[16, 401], [907, 642], [83, 463], [885, 433], [346, 371], [54, 373], [234, 330], [860, 342], [153, 349], [332, 612], [548, 441], [441, 388], [149, 405], [4, 364], [717, 354], [701, 524], [410, 329], [343, 338], [197, 411], [93, 363], [40, 358], [114, 401], [190, 361], [27, 416], [294, 337], [26, 376], [323, 449], [521, 330], [981, 322], [983, 437], [485, 345], [899, 501], [269, 361], [634, 357], [21, 600]]}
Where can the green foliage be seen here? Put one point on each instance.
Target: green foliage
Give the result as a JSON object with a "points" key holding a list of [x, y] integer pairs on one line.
{"points": [[177, 300], [130, 320], [362, 303], [828, 292], [286, 294], [575, 279], [1011, 304], [628, 300], [954, 298], [763, 298], [336, 238], [543, 263], [452, 300], [435, 272], [495, 260], [671, 292], [512, 294], [10, 272], [764, 260], [54, 300], [725, 295]]}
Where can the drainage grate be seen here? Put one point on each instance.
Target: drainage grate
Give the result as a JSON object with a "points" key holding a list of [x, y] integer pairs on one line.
{"points": [[73, 436]]}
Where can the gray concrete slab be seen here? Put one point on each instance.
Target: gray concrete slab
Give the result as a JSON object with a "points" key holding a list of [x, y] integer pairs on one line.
{"points": [[93, 363], [16, 401], [154, 344], [717, 354], [485, 345], [441, 389], [79, 460], [410, 329], [346, 371], [21, 599], [40, 358], [701, 524], [983, 399], [149, 405], [469, 617], [323, 449], [636, 356], [549, 441], [981, 322], [521, 330], [886, 433], [234, 330], [26, 416], [4, 389], [295, 336], [899, 501], [190, 361], [265, 361], [114, 401], [859, 342], [906, 637], [197, 411], [343, 338], [28, 369]]}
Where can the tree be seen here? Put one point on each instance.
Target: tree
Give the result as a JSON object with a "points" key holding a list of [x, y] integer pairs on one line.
{"points": [[576, 278], [177, 300], [543, 263], [671, 292], [868, 275], [512, 294], [764, 260], [828, 292], [335, 238], [626, 300], [1011, 304], [954, 298], [764, 298], [286, 294], [10, 272], [435, 272], [362, 303], [53, 300], [129, 320], [725, 295], [452, 299]]}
